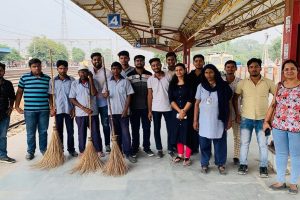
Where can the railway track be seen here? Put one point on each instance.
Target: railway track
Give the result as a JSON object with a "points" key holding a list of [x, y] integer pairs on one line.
{"points": [[14, 76]]}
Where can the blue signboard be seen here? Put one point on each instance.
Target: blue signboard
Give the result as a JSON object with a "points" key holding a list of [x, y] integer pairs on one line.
{"points": [[114, 20]]}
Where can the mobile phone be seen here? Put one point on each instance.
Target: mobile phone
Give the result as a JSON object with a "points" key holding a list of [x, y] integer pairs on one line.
{"points": [[177, 116], [267, 132]]}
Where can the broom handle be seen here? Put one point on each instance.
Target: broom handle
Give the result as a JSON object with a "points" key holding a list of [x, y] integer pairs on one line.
{"points": [[108, 98], [90, 106], [52, 79]]}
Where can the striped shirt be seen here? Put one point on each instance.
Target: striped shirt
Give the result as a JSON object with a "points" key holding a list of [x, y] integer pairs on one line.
{"points": [[36, 97]]}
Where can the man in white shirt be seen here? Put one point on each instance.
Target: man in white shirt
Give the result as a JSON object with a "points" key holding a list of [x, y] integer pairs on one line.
{"points": [[98, 73], [159, 104]]}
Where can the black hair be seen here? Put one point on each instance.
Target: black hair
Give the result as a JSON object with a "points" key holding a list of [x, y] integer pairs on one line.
{"points": [[123, 53], [198, 56], [252, 60], [61, 62], [139, 57], [169, 54], [290, 61], [95, 54], [2, 65], [116, 64], [34, 61], [174, 80], [218, 76], [154, 60], [230, 62]]}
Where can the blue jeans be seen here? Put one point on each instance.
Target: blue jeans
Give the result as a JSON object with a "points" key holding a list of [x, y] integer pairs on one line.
{"points": [[121, 126], [4, 123], [287, 143], [60, 118], [38, 120], [103, 111], [247, 126], [138, 115], [220, 149], [157, 125]]}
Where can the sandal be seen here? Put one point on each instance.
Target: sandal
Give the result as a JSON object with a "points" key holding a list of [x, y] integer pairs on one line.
{"points": [[178, 159], [187, 162], [222, 170], [276, 188], [204, 169], [293, 191]]}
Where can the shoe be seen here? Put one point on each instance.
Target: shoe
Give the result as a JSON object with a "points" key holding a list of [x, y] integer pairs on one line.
{"points": [[204, 169], [160, 154], [293, 191], [172, 154], [187, 162], [73, 154], [277, 188], [133, 155], [107, 149], [101, 154], [149, 153], [263, 172], [222, 170], [29, 156], [7, 160], [236, 161], [131, 159], [243, 169]]}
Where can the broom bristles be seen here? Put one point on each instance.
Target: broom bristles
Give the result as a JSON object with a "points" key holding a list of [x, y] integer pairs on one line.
{"points": [[54, 155], [89, 161], [116, 164]]}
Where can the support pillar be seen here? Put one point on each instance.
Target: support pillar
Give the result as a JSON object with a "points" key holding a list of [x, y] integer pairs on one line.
{"points": [[291, 31], [186, 56]]}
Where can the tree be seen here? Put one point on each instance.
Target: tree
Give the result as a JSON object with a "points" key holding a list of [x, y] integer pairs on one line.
{"points": [[40, 46], [12, 56], [78, 55], [275, 48]]}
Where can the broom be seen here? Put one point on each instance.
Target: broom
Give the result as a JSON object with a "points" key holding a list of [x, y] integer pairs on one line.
{"points": [[89, 161], [54, 155], [116, 165]]}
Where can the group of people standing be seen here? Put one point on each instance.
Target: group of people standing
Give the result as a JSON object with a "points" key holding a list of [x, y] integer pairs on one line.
{"points": [[198, 108]]}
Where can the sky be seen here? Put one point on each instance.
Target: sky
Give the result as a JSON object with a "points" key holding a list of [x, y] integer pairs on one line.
{"points": [[24, 19]]}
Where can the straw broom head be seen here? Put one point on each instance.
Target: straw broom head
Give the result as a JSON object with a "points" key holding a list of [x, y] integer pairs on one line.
{"points": [[116, 164], [54, 156], [89, 161]]}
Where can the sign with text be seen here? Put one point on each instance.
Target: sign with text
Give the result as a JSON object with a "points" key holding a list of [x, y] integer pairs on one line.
{"points": [[114, 20]]}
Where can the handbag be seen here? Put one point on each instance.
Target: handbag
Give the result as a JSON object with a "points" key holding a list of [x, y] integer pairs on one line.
{"points": [[275, 104]]}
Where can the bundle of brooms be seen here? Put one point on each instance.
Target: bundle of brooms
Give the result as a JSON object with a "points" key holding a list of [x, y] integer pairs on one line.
{"points": [[89, 161], [116, 164], [54, 155]]}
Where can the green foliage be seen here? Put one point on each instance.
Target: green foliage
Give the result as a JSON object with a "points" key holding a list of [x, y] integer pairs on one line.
{"points": [[77, 54], [275, 48], [12, 56], [39, 48], [242, 50]]}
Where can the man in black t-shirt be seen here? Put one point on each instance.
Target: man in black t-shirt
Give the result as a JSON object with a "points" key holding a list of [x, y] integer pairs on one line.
{"points": [[195, 79], [7, 99], [139, 109]]}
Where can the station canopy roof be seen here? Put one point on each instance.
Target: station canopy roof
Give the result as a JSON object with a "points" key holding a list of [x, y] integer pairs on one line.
{"points": [[195, 23]]}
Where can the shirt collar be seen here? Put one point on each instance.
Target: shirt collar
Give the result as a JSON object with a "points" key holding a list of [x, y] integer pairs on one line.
{"points": [[67, 77], [42, 74], [113, 79]]}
